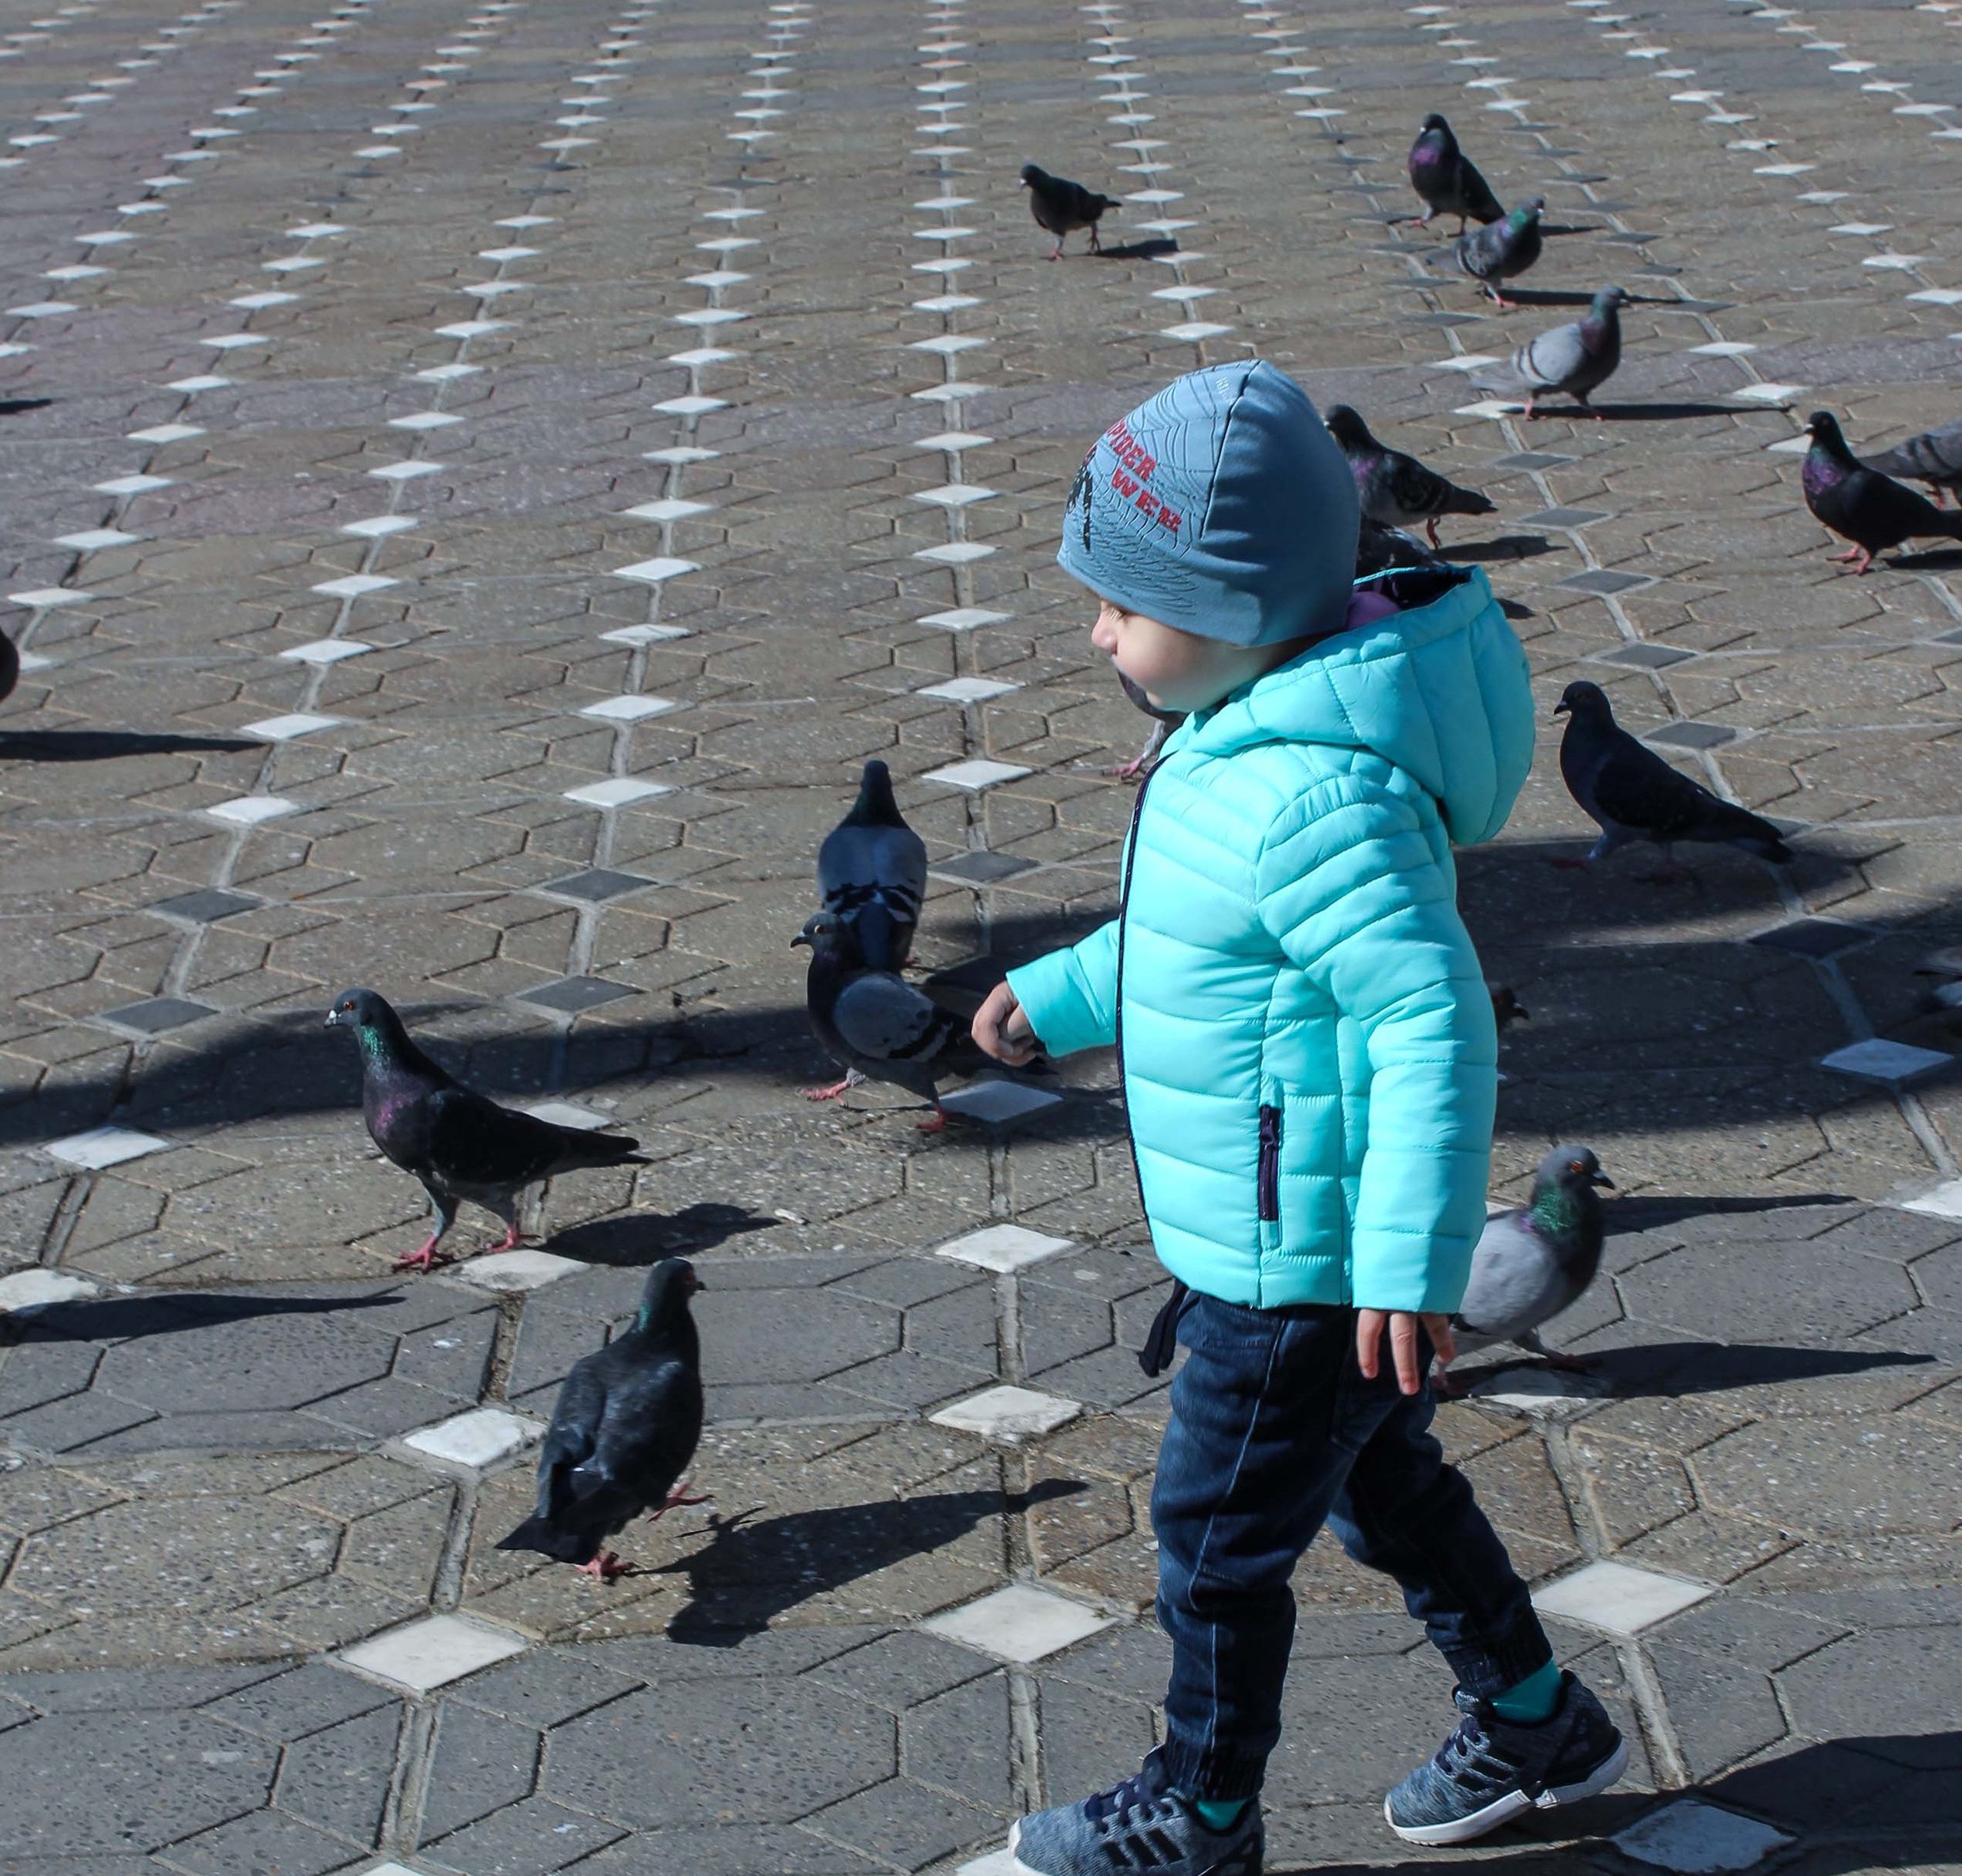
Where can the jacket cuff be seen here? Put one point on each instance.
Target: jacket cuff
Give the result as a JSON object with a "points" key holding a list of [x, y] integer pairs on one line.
{"points": [[1061, 1004]]}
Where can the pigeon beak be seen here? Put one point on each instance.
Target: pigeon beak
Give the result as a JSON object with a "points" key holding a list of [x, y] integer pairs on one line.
{"points": [[1560, 709], [333, 1019], [1601, 1178], [800, 940]]}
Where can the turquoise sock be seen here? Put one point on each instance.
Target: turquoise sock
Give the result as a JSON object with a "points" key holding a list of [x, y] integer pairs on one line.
{"points": [[1533, 1700], [1220, 1814]]}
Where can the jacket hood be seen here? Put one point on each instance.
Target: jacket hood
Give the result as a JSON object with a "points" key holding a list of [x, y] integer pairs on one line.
{"points": [[1440, 690]]}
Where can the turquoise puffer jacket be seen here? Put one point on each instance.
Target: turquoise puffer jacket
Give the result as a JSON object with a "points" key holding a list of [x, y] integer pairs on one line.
{"points": [[1305, 1039]]}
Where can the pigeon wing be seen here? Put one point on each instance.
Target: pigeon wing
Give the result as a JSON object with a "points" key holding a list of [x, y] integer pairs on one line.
{"points": [[1516, 1282], [1549, 359], [1634, 787], [653, 1420], [473, 1142], [1476, 193], [883, 1018]]}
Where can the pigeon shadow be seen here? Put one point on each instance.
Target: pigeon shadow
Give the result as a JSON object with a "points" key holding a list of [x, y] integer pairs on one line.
{"points": [[1503, 547], [103, 746], [131, 1318], [1672, 1369], [750, 1573], [645, 1239], [1546, 297], [14, 406], [1644, 1212], [1934, 560], [1139, 250], [1659, 413]]}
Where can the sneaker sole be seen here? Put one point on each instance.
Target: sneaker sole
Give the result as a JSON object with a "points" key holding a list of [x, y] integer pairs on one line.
{"points": [[1018, 1868], [1502, 1810]]}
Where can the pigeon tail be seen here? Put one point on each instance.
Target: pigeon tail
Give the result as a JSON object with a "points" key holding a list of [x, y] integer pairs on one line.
{"points": [[542, 1535], [578, 1146]]}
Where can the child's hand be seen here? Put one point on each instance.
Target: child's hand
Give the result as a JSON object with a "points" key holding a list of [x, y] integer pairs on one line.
{"points": [[1002, 1031], [1403, 1326]]}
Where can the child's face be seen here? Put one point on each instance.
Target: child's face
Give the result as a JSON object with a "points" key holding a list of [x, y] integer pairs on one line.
{"points": [[1176, 670]]}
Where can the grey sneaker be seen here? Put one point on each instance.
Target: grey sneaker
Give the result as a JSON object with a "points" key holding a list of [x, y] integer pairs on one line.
{"points": [[1140, 1827], [1491, 1769]]}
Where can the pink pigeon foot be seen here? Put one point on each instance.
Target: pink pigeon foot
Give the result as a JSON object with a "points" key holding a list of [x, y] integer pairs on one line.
{"points": [[937, 1122], [1130, 771], [605, 1568], [830, 1092], [512, 1239], [423, 1258], [680, 1496]]}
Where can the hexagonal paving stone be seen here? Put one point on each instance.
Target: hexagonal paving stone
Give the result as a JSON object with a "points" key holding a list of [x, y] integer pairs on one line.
{"points": [[1848, 1476]]}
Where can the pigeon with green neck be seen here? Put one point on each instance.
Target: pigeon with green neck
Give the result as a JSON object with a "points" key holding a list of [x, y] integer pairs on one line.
{"points": [[1532, 1263], [459, 1145]]}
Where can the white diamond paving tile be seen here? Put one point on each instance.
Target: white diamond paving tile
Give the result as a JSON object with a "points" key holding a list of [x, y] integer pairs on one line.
{"points": [[1693, 1838], [967, 690], [564, 1114], [35, 1289], [619, 792], [249, 810], [653, 571], [964, 618], [629, 709], [481, 1437], [104, 1146], [1616, 1598], [432, 1652], [995, 1102], [517, 1270], [284, 728], [1003, 1248], [1009, 1414], [1938, 1201], [326, 651], [1878, 1059], [979, 773], [1020, 1623]]}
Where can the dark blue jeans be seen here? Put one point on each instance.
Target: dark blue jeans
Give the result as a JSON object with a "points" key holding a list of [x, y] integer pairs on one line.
{"points": [[1274, 1431]]}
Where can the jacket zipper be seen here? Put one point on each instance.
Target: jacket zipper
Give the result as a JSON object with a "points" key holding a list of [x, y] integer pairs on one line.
{"points": [[1123, 912], [1267, 1175]]}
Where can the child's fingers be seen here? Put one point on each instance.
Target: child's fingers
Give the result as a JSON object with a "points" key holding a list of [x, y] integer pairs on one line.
{"points": [[1368, 1340], [1403, 1351]]}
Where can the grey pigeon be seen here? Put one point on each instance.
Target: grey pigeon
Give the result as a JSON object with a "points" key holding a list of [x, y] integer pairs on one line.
{"points": [[872, 872], [1533, 1262], [1395, 489], [624, 1428], [1631, 794], [1502, 251], [1933, 456], [1861, 504], [1576, 358], [878, 1023], [1163, 723], [1446, 179], [10, 667], [1063, 206], [460, 1145]]}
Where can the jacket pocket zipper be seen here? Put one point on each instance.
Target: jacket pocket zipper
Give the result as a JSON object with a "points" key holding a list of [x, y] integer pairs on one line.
{"points": [[1268, 1171]]}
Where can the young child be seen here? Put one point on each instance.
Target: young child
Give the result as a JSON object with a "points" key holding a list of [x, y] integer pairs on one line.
{"points": [[1309, 1059]]}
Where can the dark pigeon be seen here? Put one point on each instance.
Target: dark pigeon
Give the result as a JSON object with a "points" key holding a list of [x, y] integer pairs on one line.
{"points": [[1934, 456], [1502, 251], [10, 667], [1861, 504], [1941, 997], [1396, 490], [1163, 723], [1063, 206], [872, 872], [623, 1433], [1632, 794], [1445, 177], [1531, 1263], [1576, 358], [1507, 1008], [459, 1145], [878, 1023]]}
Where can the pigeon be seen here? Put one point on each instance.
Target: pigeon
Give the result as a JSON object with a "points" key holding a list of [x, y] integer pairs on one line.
{"points": [[624, 1428], [1396, 490], [1934, 456], [10, 667], [872, 872], [1533, 1262], [459, 1145], [1163, 723], [1507, 247], [1445, 177], [1576, 358], [1864, 506], [876, 1023], [1063, 206], [1634, 795], [1507, 1008], [1942, 997], [1381, 550]]}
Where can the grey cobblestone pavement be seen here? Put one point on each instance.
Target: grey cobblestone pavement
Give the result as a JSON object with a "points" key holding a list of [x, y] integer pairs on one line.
{"points": [[506, 463]]}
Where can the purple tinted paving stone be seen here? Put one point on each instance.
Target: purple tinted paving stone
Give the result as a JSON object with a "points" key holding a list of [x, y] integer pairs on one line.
{"points": [[1812, 937], [1691, 735], [1647, 657], [1562, 517], [595, 885], [156, 1014], [571, 995], [1603, 581], [981, 869], [208, 906]]}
